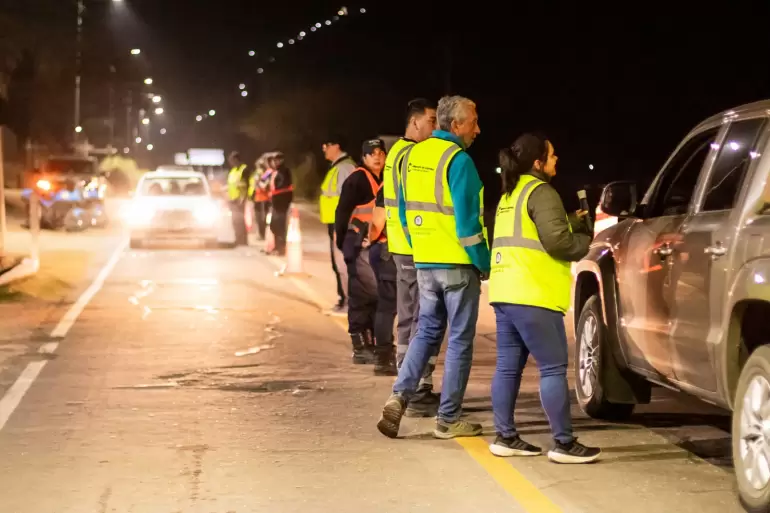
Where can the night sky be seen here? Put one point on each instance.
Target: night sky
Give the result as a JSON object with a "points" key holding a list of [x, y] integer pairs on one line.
{"points": [[616, 88]]}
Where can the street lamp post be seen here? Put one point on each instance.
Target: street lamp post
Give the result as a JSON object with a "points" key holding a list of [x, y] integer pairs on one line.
{"points": [[78, 51]]}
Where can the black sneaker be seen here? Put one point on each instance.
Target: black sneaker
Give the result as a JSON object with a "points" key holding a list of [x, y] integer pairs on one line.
{"points": [[513, 446], [573, 452], [424, 404], [390, 420]]}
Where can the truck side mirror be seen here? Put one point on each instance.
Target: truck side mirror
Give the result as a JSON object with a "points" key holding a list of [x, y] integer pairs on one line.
{"points": [[619, 199]]}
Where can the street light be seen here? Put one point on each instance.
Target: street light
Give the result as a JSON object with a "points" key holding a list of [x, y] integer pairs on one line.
{"points": [[162, 131], [279, 45], [212, 112], [150, 147], [136, 51], [591, 167], [148, 81], [244, 93], [146, 121], [156, 99], [138, 140], [78, 129], [198, 118], [260, 70], [159, 111], [242, 86]]}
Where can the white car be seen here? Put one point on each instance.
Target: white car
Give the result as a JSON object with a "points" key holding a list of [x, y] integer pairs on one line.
{"points": [[176, 205]]}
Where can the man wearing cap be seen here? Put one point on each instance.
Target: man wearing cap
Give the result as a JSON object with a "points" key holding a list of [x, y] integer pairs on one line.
{"points": [[352, 220], [281, 196], [341, 165]]}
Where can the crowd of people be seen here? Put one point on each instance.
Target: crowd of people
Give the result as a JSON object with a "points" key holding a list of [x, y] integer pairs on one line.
{"points": [[407, 240]]}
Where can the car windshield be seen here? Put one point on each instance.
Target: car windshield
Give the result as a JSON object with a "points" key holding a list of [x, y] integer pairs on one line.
{"points": [[68, 166], [174, 186]]}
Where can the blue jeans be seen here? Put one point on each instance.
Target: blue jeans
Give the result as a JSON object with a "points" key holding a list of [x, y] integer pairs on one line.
{"points": [[522, 330], [448, 298]]}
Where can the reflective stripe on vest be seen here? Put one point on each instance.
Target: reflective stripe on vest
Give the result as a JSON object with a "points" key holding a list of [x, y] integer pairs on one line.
{"points": [[362, 215], [429, 208], [391, 177], [330, 192], [234, 182], [523, 273]]}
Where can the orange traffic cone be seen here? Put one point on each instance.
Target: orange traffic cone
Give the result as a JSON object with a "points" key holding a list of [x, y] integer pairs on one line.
{"points": [[293, 246], [248, 214], [269, 237]]}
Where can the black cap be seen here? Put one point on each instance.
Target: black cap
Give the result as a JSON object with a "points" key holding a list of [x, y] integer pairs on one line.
{"points": [[368, 147], [336, 139]]}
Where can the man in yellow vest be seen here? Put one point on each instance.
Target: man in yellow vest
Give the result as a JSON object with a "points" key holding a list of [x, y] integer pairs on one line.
{"points": [[442, 213], [237, 189], [341, 166], [420, 124], [353, 218], [529, 288]]}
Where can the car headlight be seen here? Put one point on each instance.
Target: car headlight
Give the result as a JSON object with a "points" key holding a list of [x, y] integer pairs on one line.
{"points": [[206, 214], [139, 215]]}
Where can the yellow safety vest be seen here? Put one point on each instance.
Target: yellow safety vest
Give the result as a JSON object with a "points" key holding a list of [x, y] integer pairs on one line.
{"points": [[523, 273], [330, 192], [391, 177], [234, 178], [429, 208]]}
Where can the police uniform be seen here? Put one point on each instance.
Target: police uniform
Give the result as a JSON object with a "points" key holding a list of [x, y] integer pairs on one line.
{"points": [[352, 220], [237, 187]]}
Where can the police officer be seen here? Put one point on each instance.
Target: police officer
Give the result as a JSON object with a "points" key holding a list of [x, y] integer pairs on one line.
{"points": [[420, 123], [281, 196], [352, 220], [237, 188], [442, 211], [341, 165], [529, 288], [258, 192]]}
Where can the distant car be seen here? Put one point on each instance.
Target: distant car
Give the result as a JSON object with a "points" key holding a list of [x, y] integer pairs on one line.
{"points": [[176, 205]]}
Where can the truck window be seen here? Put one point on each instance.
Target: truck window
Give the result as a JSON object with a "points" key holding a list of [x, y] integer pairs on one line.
{"points": [[679, 178], [731, 164]]}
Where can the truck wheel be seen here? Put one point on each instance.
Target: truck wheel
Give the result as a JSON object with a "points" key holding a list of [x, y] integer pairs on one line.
{"points": [[590, 338], [751, 438]]}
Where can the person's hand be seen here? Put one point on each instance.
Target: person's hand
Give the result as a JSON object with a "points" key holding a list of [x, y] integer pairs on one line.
{"points": [[581, 213], [484, 276], [366, 243]]}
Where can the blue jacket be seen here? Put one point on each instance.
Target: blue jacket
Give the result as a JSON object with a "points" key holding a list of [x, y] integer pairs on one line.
{"points": [[464, 186]]}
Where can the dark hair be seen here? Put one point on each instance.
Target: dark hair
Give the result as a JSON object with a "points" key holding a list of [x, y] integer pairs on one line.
{"points": [[417, 107], [520, 158]]}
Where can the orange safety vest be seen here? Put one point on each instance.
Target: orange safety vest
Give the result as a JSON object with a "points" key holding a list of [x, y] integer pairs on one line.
{"points": [[363, 213], [274, 191]]}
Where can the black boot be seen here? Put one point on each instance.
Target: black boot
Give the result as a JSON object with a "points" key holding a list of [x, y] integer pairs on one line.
{"points": [[362, 351], [385, 362]]}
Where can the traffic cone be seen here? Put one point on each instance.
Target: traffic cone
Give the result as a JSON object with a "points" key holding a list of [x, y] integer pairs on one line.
{"points": [[269, 237], [293, 246], [248, 214]]}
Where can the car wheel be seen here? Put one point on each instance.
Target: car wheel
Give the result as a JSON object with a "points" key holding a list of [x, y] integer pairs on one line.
{"points": [[590, 338], [751, 435], [135, 244]]}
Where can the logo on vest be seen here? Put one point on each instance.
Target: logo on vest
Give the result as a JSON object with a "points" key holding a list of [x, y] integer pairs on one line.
{"points": [[498, 257], [389, 213], [418, 220]]}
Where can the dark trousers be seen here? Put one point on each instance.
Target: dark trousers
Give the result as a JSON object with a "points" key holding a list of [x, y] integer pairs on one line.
{"points": [[362, 288], [260, 215], [238, 211], [384, 267], [521, 331], [341, 286], [278, 225]]}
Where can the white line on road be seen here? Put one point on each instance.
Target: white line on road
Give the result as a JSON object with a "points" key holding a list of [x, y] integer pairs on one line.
{"points": [[75, 310], [13, 396]]}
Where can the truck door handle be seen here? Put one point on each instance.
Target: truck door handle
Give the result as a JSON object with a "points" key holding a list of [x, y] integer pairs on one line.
{"points": [[664, 250], [716, 251]]}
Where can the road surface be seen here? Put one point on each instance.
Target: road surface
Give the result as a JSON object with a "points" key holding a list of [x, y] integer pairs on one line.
{"points": [[187, 380]]}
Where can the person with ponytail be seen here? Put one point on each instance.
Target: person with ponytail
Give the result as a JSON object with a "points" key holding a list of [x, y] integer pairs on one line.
{"points": [[529, 287]]}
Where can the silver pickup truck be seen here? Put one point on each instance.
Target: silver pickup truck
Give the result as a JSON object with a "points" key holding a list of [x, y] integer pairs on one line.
{"points": [[677, 293]]}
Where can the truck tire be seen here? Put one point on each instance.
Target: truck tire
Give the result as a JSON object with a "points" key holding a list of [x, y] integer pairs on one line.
{"points": [[750, 443], [590, 338]]}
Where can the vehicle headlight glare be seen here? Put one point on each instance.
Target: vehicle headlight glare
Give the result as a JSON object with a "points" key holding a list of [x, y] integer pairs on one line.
{"points": [[206, 214]]}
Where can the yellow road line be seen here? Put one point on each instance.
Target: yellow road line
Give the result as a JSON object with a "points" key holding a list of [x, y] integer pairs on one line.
{"points": [[510, 479], [513, 482]]}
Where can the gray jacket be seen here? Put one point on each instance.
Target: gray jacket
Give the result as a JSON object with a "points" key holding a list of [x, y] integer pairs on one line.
{"points": [[547, 211]]}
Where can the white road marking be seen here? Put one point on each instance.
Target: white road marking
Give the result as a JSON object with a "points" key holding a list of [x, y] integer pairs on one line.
{"points": [[10, 401], [76, 309], [14, 395]]}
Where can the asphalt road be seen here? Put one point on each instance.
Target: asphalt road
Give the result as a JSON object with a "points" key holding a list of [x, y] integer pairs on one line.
{"points": [[199, 381]]}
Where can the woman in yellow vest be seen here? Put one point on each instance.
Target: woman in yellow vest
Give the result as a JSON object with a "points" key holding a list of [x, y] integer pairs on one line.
{"points": [[529, 288]]}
